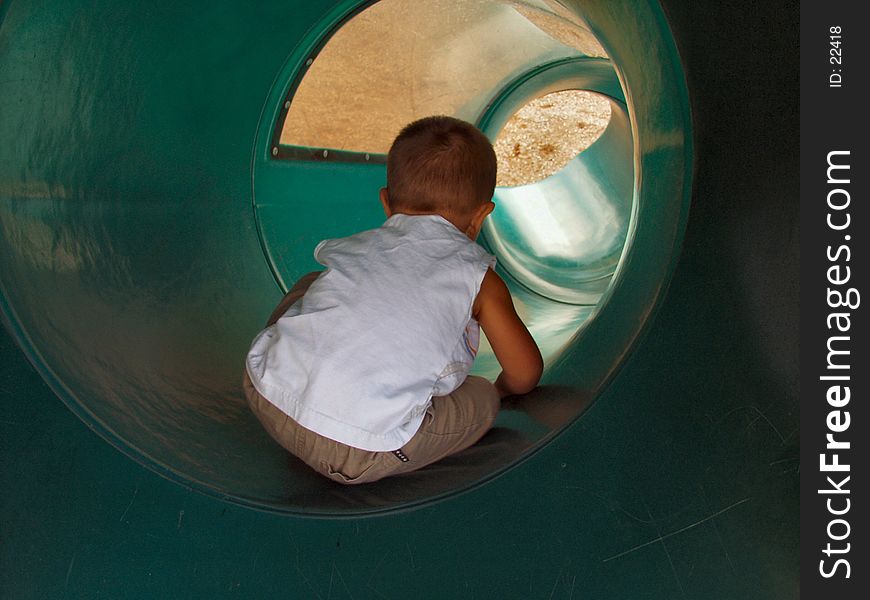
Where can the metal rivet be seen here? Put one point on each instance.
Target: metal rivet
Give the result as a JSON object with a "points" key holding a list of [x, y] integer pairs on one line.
{"points": [[367, 155], [308, 62], [287, 104], [325, 153], [275, 151]]}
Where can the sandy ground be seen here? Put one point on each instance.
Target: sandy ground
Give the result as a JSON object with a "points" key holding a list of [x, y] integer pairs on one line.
{"points": [[401, 60], [546, 133]]}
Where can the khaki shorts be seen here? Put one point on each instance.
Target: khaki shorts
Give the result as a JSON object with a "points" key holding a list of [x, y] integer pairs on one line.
{"points": [[452, 423]]}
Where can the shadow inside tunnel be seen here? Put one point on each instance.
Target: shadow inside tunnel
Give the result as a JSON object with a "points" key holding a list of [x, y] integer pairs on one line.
{"points": [[524, 424]]}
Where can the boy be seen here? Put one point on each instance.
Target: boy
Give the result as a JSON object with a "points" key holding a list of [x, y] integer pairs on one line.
{"points": [[362, 371]]}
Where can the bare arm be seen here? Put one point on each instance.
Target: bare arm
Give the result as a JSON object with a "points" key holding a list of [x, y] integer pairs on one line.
{"points": [[282, 307], [516, 351]]}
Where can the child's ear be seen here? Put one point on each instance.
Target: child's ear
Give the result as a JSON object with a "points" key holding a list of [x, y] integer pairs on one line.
{"points": [[385, 202], [478, 218], [482, 213]]}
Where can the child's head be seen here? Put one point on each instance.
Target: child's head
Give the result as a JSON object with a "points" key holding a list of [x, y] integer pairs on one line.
{"points": [[440, 165]]}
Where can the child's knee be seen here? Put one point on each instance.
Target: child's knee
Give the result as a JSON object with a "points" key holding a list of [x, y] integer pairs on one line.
{"points": [[486, 397]]}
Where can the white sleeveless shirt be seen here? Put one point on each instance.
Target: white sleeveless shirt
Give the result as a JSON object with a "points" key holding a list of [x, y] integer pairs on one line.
{"points": [[387, 326]]}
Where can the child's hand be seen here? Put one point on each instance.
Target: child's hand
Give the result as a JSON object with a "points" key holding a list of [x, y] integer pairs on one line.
{"points": [[516, 351]]}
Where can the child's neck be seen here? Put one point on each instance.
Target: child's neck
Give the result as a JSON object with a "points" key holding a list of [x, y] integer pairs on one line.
{"points": [[463, 224]]}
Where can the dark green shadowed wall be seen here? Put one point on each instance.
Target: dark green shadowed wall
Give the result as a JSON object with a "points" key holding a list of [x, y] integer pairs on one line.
{"points": [[133, 277]]}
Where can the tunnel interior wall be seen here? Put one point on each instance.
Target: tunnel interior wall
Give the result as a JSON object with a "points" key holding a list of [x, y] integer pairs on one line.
{"points": [[680, 482], [131, 267]]}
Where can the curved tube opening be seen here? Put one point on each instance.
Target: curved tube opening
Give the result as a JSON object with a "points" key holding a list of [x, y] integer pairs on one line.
{"points": [[136, 290]]}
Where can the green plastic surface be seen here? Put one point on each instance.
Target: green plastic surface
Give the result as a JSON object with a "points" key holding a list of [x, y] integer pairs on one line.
{"points": [[157, 206], [133, 277]]}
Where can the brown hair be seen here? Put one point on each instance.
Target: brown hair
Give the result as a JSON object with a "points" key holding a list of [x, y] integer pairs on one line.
{"points": [[440, 164]]}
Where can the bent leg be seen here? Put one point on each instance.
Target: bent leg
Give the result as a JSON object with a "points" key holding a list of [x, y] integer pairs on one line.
{"points": [[280, 427], [451, 424], [332, 459]]}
